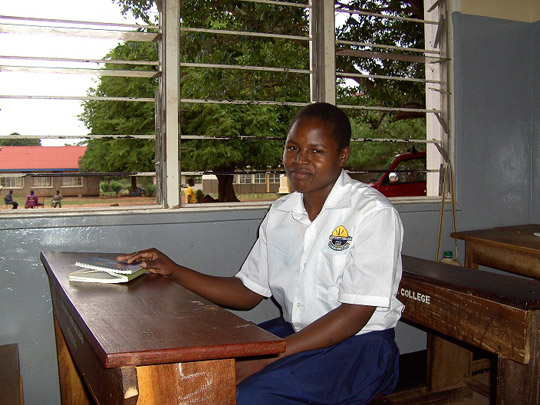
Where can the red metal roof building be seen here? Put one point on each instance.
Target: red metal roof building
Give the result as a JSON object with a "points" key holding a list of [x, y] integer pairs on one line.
{"points": [[25, 168], [40, 158]]}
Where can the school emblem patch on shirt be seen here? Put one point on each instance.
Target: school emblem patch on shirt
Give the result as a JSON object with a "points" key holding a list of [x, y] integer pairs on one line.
{"points": [[339, 240]]}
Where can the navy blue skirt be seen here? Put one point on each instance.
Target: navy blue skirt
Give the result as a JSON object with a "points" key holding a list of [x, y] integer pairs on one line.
{"points": [[353, 371]]}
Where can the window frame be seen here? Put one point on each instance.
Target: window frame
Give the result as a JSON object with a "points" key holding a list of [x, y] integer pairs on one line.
{"points": [[80, 180], [259, 178], [438, 119], [323, 73], [17, 177], [42, 179]]}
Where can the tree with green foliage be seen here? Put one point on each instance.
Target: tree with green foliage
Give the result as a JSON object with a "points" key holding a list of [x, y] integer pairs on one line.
{"points": [[19, 142], [239, 123], [259, 121], [256, 121], [121, 117]]}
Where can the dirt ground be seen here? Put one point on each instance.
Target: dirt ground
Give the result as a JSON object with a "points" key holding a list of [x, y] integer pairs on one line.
{"points": [[122, 201], [106, 202]]}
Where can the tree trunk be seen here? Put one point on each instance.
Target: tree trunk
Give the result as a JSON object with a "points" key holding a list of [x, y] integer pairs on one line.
{"points": [[225, 188], [133, 184]]}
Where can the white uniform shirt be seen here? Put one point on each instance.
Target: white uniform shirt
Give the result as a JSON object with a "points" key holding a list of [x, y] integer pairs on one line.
{"points": [[350, 253]]}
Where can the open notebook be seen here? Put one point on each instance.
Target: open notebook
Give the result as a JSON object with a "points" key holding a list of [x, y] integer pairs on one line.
{"points": [[103, 270]]}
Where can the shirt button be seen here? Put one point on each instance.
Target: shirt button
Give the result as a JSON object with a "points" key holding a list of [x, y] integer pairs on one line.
{"points": [[298, 304]]}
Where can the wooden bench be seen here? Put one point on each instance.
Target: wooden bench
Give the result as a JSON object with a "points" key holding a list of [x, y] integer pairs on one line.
{"points": [[11, 390], [494, 312]]}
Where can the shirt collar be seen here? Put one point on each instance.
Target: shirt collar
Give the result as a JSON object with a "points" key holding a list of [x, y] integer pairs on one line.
{"points": [[339, 197]]}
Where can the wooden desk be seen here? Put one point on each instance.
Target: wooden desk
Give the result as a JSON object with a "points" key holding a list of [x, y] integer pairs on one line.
{"points": [[497, 313], [11, 389], [513, 248], [147, 342]]}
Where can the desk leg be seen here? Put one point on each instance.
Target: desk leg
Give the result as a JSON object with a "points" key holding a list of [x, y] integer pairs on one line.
{"points": [[448, 364], [469, 256], [71, 387], [198, 382], [519, 384]]}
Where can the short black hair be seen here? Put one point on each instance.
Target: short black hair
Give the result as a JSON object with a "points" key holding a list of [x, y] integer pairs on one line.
{"points": [[191, 182], [335, 119]]}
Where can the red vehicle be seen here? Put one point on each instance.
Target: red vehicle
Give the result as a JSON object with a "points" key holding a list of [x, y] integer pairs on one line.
{"points": [[404, 176]]}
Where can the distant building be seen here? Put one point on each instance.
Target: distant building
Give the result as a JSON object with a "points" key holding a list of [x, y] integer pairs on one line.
{"points": [[45, 169], [256, 183]]}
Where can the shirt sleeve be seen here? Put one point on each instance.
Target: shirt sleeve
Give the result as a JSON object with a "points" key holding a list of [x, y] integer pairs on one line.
{"points": [[374, 264], [254, 271]]}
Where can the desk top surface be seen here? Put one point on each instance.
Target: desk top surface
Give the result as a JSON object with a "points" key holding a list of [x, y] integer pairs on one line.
{"points": [[151, 320], [508, 290], [520, 237]]}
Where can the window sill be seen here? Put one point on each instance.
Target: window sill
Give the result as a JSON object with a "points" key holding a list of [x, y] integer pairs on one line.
{"points": [[401, 203]]}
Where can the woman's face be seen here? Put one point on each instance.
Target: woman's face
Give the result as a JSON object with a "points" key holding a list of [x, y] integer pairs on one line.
{"points": [[312, 158]]}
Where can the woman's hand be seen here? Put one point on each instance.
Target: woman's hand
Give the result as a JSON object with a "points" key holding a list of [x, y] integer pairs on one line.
{"points": [[225, 291], [152, 260]]}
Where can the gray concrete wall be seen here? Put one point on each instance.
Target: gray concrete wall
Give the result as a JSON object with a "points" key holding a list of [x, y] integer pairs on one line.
{"points": [[493, 95], [535, 118], [496, 120], [214, 242]]}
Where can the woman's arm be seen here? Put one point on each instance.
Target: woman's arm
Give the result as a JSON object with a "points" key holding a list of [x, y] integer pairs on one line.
{"points": [[337, 325], [225, 291]]}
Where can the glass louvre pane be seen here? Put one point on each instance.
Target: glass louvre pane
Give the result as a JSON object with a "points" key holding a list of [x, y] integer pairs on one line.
{"points": [[381, 80]]}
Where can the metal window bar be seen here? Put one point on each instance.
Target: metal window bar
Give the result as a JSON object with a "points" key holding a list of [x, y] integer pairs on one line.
{"points": [[388, 109], [244, 67], [391, 17], [279, 3], [85, 174], [283, 138], [212, 138], [407, 79], [282, 171], [382, 46], [81, 71], [390, 55], [244, 102], [245, 33], [147, 136], [73, 60], [80, 32], [76, 98], [96, 23]]}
